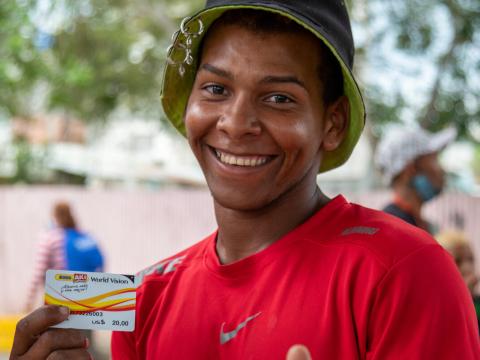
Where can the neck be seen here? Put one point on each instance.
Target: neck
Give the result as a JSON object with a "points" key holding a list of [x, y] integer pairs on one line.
{"points": [[406, 199], [243, 233]]}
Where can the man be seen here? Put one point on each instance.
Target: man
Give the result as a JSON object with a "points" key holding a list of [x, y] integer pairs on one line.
{"points": [[264, 92], [408, 159]]}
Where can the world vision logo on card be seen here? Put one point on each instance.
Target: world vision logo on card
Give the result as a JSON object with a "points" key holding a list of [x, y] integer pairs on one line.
{"points": [[80, 278]]}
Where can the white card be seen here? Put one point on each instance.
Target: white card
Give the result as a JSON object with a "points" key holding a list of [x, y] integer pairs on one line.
{"points": [[97, 301]]}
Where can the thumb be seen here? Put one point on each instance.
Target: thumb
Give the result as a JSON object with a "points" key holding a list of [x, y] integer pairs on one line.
{"points": [[298, 352]]}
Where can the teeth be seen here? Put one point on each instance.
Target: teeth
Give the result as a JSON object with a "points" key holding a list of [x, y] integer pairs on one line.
{"points": [[241, 160]]}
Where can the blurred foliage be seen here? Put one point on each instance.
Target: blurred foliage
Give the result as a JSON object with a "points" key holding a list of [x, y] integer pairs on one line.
{"points": [[100, 54], [443, 33], [384, 111], [20, 66], [29, 164], [23, 160]]}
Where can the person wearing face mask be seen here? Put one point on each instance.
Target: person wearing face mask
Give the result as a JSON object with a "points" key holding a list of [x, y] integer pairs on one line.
{"points": [[408, 159]]}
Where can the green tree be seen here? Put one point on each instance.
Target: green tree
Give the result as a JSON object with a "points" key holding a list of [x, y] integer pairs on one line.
{"points": [[438, 36], [100, 54], [107, 53], [20, 65]]}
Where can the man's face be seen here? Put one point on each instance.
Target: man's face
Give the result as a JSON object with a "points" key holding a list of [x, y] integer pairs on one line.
{"points": [[255, 117], [429, 166]]}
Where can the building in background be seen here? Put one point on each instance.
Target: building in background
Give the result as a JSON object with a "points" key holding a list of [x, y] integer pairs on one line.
{"points": [[136, 153]]}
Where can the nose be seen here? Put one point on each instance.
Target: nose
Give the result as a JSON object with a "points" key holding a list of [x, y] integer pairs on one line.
{"points": [[239, 118]]}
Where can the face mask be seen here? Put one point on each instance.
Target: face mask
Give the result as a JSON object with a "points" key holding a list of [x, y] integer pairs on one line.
{"points": [[424, 187]]}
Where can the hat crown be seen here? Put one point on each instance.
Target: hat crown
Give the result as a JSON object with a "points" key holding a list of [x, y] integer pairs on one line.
{"points": [[329, 17]]}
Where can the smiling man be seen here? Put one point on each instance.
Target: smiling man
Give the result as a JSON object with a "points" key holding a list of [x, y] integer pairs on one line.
{"points": [[264, 92]]}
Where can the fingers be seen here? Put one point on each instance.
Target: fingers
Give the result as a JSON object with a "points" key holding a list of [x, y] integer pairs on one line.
{"points": [[30, 327], [55, 340], [298, 352], [72, 354]]}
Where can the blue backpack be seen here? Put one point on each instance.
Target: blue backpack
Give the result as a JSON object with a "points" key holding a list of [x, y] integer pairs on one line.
{"points": [[82, 252]]}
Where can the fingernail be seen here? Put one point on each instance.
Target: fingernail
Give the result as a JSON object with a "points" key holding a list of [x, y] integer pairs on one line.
{"points": [[87, 344], [64, 310]]}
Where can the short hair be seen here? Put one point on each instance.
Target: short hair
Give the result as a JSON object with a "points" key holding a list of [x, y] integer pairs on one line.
{"points": [[63, 215], [266, 22], [450, 239]]}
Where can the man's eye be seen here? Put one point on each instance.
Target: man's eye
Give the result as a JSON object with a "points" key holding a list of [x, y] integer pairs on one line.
{"points": [[215, 89], [279, 99]]}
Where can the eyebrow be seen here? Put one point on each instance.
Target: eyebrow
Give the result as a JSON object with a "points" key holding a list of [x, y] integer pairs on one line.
{"points": [[283, 79], [216, 71], [266, 80]]}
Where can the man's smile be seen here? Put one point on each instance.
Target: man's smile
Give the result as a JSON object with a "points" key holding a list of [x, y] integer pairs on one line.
{"points": [[251, 160]]}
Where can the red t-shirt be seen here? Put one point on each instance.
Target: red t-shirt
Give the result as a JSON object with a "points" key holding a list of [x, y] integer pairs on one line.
{"points": [[349, 283]]}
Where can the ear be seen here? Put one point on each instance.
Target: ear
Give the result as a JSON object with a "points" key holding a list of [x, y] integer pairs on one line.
{"points": [[337, 118]]}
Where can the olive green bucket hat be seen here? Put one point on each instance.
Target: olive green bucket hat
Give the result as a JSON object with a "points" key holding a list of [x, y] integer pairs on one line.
{"points": [[326, 19]]}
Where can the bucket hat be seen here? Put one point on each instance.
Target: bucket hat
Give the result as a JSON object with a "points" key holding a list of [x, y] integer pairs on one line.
{"points": [[327, 19], [400, 146]]}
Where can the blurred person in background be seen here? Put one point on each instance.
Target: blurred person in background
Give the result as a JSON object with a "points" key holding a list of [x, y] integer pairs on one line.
{"points": [[408, 160], [63, 246], [265, 94], [458, 245]]}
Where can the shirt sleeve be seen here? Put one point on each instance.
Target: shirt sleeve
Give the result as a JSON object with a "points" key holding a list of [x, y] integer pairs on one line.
{"points": [[45, 252], [423, 310]]}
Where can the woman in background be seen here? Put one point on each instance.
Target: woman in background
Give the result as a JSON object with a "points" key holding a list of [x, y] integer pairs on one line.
{"points": [[63, 246]]}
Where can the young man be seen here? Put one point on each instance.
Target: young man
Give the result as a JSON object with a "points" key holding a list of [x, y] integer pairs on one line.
{"points": [[264, 92], [409, 161]]}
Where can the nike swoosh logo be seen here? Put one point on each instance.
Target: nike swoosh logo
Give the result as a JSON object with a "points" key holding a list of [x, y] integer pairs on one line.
{"points": [[227, 336]]}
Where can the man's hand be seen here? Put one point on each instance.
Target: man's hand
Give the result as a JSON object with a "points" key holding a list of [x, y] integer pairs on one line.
{"points": [[35, 340], [298, 352]]}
